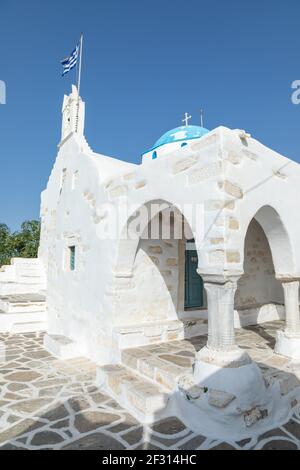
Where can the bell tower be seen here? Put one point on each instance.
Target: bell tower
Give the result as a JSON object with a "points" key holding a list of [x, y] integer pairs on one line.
{"points": [[73, 110]]}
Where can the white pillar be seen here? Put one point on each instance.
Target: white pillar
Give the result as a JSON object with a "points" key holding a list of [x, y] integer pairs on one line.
{"points": [[291, 301], [220, 300], [288, 340], [221, 365], [221, 348]]}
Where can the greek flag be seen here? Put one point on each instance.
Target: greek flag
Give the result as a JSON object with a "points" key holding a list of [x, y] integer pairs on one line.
{"points": [[70, 62]]}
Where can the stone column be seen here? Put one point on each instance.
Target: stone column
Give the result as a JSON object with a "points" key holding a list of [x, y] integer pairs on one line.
{"points": [[288, 340], [291, 301], [221, 365], [220, 300], [221, 348]]}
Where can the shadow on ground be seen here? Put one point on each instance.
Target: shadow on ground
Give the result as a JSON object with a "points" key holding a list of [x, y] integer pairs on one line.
{"points": [[47, 403]]}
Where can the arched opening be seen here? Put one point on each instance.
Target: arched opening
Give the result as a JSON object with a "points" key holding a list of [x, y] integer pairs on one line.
{"points": [[267, 255], [278, 238], [258, 286], [160, 265]]}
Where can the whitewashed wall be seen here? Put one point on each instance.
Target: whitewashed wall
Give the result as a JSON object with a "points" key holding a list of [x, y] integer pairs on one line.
{"points": [[118, 283]]}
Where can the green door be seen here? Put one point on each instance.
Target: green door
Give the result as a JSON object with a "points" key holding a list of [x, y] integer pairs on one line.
{"points": [[193, 282]]}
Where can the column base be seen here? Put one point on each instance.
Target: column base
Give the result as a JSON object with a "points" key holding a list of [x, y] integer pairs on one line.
{"points": [[232, 372], [288, 345], [227, 397], [235, 357]]}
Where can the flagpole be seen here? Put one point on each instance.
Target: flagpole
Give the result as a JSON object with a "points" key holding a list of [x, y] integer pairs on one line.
{"points": [[79, 79], [80, 63]]}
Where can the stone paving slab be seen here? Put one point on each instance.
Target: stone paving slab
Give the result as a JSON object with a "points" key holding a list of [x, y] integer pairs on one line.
{"points": [[46, 403]]}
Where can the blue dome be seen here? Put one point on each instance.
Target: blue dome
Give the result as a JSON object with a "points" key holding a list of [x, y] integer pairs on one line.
{"points": [[180, 133]]}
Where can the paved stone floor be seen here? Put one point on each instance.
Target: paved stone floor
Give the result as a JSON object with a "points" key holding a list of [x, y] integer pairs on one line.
{"points": [[47, 403]]}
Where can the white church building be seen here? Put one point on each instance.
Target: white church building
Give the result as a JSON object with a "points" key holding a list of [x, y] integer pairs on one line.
{"points": [[200, 238]]}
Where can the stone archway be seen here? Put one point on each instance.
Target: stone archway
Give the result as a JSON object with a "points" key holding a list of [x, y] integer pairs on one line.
{"points": [[259, 296], [278, 239], [268, 222], [130, 235], [150, 270]]}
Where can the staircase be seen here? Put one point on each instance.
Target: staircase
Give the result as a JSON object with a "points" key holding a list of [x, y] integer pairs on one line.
{"points": [[22, 296], [147, 376], [22, 276]]}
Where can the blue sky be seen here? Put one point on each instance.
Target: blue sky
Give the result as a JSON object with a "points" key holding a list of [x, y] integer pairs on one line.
{"points": [[145, 64]]}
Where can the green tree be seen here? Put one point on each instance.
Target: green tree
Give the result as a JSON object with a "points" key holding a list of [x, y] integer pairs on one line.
{"points": [[21, 244], [6, 246], [26, 241]]}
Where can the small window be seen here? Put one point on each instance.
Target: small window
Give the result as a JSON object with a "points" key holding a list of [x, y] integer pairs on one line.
{"points": [[72, 257], [183, 144], [154, 155]]}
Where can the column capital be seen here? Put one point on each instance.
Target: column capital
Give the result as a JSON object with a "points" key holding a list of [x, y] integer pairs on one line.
{"points": [[286, 278], [220, 278]]}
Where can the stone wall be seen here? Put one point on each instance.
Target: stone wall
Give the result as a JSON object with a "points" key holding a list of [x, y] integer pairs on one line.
{"points": [[258, 285], [157, 274]]}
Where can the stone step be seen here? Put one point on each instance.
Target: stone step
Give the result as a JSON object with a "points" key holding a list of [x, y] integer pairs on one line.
{"points": [[30, 273], [26, 322], [22, 272], [148, 333], [161, 332], [27, 268], [10, 288], [21, 303], [29, 327], [143, 399], [162, 364], [62, 346], [23, 261], [30, 278]]}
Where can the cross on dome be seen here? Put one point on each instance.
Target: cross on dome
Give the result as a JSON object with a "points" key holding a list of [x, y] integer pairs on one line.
{"points": [[186, 119]]}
